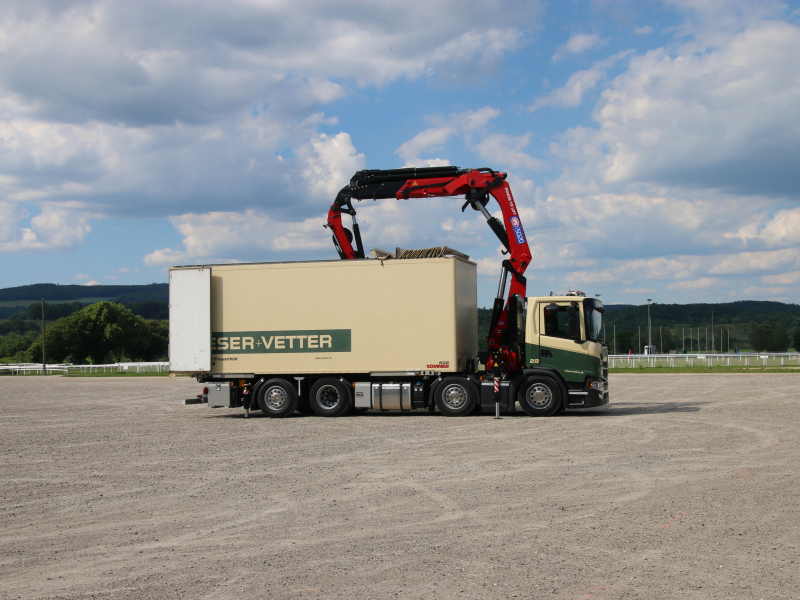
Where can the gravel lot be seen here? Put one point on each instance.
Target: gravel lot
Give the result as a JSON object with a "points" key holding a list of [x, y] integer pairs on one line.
{"points": [[685, 486]]}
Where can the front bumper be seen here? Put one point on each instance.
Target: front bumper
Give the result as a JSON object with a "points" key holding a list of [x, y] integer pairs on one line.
{"points": [[590, 396]]}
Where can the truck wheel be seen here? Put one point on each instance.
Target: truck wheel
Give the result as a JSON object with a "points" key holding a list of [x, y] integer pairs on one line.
{"points": [[539, 396], [330, 397], [455, 397], [277, 398]]}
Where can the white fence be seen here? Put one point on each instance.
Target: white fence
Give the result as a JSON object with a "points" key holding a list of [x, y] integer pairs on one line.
{"points": [[634, 361], [129, 367]]}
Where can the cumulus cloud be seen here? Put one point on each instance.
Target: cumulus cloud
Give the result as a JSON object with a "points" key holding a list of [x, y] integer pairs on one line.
{"points": [[52, 229], [695, 284], [118, 62], [577, 44], [330, 161], [473, 128], [775, 293], [572, 92], [384, 224], [687, 118], [790, 278], [745, 262], [466, 124], [113, 110], [507, 150]]}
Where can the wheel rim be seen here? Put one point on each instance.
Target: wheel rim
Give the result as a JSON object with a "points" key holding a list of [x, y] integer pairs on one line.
{"points": [[539, 395], [276, 398], [454, 396], [328, 397]]}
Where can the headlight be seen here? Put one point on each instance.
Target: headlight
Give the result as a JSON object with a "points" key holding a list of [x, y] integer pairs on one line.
{"points": [[597, 385]]}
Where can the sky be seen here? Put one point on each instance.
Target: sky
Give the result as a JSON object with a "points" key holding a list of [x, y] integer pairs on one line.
{"points": [[653, 148]]}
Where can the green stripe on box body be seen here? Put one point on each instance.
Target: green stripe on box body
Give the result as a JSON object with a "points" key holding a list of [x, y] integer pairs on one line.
{"points": [[280, 342]]}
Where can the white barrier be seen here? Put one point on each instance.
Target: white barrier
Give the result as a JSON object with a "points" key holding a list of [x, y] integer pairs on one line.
{"points": [[125, 367], [633, 361]]}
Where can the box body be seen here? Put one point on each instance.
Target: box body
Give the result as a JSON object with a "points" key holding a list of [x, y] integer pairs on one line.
{"points": [[347, 316]]}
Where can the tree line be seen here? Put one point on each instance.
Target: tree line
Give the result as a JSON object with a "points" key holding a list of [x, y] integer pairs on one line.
{"points": [[762, 337]]}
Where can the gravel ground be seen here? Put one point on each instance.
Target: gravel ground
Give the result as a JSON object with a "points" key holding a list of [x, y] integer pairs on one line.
{"points": [[685, 486]]}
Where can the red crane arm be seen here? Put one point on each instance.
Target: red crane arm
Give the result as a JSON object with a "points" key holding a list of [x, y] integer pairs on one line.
{"points": [[476, 185]]}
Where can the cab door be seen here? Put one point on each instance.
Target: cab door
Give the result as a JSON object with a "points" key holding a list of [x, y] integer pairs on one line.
{"points": [[562, 344]]}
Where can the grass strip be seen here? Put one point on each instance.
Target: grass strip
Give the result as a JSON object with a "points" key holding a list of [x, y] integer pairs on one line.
{"points": [[115, 374], [714, 370]]}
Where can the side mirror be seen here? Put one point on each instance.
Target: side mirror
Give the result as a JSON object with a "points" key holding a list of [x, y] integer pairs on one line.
{"points": [[551, 309]]}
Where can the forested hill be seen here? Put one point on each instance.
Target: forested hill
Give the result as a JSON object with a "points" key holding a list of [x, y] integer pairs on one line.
{"points": [[743, 311], [52, 292]]}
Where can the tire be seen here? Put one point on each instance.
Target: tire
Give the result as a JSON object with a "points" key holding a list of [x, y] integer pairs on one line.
{"points": [[539, 396], [456, 397], [277, 398], [330, 397]]}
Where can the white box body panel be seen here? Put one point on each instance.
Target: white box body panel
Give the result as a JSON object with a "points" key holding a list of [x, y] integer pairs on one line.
{"points": [[346, 316], [190, 320]]}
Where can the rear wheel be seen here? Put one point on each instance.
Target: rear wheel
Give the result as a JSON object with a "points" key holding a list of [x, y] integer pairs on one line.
{"points": [[539, 396], [456, 397], [277, 398], [330, 397]]}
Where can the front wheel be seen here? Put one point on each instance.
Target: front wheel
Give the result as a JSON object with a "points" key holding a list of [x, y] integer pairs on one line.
{"points": [[330, 397], [456, 397], [539, 396], [277, 398]]}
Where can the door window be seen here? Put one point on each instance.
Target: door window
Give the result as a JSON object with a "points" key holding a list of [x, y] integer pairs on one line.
{"points": [[556, 323]]}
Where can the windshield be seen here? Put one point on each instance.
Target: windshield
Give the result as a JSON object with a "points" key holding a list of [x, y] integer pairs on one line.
{"points": [[594, 324]]}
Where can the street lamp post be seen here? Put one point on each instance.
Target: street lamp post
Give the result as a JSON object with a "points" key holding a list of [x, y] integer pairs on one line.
{"points": [[649, 328]]}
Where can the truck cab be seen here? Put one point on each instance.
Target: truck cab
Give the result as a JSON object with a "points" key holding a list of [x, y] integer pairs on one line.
{"points": [[564, 339]]}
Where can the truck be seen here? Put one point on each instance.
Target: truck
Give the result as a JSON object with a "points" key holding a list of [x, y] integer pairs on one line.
{"points": [[393, 331]]}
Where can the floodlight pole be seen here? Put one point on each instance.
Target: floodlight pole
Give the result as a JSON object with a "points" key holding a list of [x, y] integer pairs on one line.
{"points": [[649, 327], [44, 365], [712, 332]]}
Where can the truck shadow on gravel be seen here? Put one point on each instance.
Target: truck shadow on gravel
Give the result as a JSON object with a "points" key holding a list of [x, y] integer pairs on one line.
{"points": [[606, 411], [634, 409]]}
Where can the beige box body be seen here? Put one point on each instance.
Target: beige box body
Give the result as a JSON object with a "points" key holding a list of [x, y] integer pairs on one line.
{"points": [[347, 316]]}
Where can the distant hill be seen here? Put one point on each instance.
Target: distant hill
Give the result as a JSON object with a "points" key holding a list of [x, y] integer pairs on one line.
{"points": [[694, 315], [149, 300], [54, 292]]}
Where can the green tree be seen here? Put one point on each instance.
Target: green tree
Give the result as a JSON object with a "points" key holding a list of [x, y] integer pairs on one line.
{"points": [[759, 335], [58, 349], [779, 338], [90, 335], [158, 344], [625, 341], [797, 339]]}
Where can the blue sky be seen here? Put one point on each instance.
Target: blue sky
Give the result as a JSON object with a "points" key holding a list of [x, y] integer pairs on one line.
{"points": [[652, 147]]}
